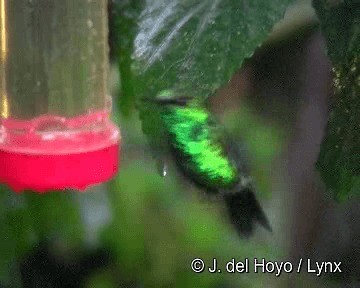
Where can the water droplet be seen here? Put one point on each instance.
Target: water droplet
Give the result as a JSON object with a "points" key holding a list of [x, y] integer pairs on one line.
{"points": [[90, 24], [162, 168]]}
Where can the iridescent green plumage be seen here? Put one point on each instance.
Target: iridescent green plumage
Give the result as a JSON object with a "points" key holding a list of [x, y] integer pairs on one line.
{"points": [[197, 141], [206, 155]]}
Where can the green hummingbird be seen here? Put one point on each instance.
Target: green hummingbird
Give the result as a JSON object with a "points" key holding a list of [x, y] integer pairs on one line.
{"points": [[211, 159]]}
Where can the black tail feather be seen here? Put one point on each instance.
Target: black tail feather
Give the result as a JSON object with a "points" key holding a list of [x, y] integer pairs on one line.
{"points": [[244, 210]]}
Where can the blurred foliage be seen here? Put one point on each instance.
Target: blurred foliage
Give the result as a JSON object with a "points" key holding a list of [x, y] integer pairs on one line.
{"points": [[28, 219], [339, 159], [262, 142]]}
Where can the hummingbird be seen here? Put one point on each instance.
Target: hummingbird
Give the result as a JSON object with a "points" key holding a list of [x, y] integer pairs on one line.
{"points": [[211, 159]]}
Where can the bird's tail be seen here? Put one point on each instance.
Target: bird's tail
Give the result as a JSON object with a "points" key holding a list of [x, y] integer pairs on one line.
{"points": [[244, 211]]}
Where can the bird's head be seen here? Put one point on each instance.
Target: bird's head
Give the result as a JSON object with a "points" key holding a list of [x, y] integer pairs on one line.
{"points": [[167, 98]]}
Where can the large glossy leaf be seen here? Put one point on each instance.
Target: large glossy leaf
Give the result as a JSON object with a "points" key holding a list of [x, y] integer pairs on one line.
{"points": [[339, 159], [192, 47]]}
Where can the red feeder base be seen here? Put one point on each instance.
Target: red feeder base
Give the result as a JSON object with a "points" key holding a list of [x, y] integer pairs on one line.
{"points": [[43, 162], [55, 172]]}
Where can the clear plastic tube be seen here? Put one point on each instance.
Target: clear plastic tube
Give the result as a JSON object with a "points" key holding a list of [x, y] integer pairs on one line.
{"points": [[53, 87]]}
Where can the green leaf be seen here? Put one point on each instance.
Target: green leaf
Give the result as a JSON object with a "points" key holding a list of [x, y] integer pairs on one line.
{"points": [[123, 24], [194, 47], [339, 159], [339, 21]]}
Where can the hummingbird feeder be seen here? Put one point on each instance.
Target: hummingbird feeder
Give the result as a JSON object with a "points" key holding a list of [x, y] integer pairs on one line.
{"points": [[55, 129]]}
